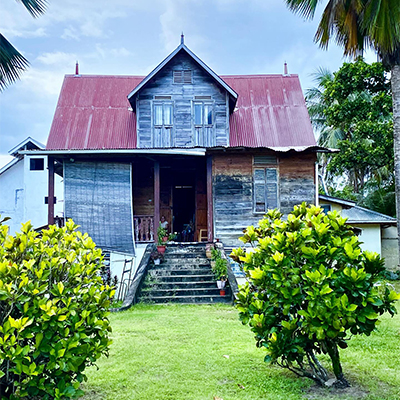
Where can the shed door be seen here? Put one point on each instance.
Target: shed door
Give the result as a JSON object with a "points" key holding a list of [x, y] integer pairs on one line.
{"points": [[98, 198]]}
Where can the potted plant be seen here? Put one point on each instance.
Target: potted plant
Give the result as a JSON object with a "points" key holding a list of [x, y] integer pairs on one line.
{"points": [[220, 268], [156, 257], [161, 234]]}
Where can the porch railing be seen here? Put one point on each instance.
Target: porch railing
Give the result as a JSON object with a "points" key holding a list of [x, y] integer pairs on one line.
{"points": [[144, 228]]}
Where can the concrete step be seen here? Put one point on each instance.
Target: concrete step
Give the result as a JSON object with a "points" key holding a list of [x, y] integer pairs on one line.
{"points": [[185, 278], [181, 271], [159, 291], [188, 299], [161, 284]]}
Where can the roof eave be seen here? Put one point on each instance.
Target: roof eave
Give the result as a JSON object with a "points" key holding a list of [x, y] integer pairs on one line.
{"points": [[233, 95]]}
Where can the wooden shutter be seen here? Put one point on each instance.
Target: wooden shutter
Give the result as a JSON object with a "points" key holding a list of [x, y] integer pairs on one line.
{"points": [[271, 188], [259, 190]]}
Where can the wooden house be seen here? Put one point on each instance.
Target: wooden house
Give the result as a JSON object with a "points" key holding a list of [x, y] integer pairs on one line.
{"points": [[211, 151]]}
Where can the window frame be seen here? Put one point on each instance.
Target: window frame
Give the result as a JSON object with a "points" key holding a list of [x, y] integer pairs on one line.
{"points": [[36, 160], [163, 103], [265, 167], [203, 103], [182, 76]]}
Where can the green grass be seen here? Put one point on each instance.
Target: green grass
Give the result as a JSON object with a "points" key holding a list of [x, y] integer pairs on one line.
{"points": [[177, 353]]}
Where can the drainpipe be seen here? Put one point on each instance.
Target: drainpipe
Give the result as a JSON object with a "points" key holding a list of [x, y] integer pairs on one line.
{"points": [[316, 185]]}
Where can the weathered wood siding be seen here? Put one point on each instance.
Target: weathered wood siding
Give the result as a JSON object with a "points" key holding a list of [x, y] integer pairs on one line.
{"points": [[182, 133], [233, 190]]}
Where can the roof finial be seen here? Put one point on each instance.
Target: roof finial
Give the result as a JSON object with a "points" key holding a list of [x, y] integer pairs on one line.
{"points": [[285, 69], [182, 38], [76, 68]]}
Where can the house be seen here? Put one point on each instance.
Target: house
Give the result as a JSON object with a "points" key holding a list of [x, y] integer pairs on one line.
{"points": [[23, 187], [377, 231], [207, 151]]}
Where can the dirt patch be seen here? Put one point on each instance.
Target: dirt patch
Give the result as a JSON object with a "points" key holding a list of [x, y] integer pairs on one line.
{"points": [[354, 392]]}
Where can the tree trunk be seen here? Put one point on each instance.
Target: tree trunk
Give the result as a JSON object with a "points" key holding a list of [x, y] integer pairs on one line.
{"points": [[333, 352], [395, 82]]}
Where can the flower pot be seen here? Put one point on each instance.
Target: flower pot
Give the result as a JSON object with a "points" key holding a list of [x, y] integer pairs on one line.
{"points": [[157, 261], [161, 249], [222, 292], [221, 284]]}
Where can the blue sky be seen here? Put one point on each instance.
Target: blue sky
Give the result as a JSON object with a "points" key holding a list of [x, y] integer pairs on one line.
{"points": [[130, 37]]}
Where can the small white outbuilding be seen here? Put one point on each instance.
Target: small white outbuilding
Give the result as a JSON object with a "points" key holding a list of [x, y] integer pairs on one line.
{"points": [[378, 231], [23, 188]]}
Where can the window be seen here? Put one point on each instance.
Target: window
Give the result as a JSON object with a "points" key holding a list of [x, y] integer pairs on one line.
{"points": [[182, 76], [37, 164], [265, 186], [203, 114], [163, 113], [325, 207]]}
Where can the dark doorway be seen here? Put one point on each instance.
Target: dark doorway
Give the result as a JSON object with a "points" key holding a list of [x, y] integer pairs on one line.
{"points": [[184, 212]]}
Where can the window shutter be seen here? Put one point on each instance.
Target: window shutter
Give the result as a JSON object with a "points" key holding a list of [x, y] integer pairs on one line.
{"points": [[187, 76], [177, 76], [271, 188], [259, 190]]}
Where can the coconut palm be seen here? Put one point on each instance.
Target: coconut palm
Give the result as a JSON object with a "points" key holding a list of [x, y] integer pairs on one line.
{"points": [[12, 62], [355, 25]]}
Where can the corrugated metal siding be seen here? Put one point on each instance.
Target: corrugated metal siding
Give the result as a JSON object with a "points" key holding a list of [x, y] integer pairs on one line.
{"points": [[93, 113]]}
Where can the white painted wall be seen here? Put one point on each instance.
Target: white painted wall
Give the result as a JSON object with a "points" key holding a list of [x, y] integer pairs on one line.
{"points": [[22, 194], [370, 236]]}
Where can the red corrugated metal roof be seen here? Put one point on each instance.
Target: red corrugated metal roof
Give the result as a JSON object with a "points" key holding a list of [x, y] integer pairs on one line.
{"points": [[93, 113]]}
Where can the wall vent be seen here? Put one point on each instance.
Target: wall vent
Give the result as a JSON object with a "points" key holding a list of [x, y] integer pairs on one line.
{"points": [[202, 97], [162, 97], [262, 160], [182, 76]]}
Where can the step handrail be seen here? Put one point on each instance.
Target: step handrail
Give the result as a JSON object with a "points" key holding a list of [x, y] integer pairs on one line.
{"points": [[134, 288]]}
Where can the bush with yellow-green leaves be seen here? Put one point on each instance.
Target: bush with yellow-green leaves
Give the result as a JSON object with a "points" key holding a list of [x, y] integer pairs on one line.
{"points": [[53, 311], [310, 289]]}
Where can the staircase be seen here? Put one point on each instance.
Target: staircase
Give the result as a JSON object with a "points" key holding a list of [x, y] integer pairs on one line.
{"points": [[184, 277]]}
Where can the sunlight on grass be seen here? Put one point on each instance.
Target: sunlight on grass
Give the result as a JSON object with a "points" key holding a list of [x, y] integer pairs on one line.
{"points": [[183, 352]]}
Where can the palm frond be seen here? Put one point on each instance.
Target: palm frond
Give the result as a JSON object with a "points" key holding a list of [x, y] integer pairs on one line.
{"points": [[306, 8], [35, 7], [12, 63]]}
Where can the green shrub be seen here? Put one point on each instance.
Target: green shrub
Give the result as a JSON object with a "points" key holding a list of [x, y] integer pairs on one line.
{"points": [[219, 266], [53, 311], [310, 288]]}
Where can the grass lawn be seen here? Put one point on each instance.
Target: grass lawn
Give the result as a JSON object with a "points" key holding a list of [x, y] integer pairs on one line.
{"points": [[180, 352]]}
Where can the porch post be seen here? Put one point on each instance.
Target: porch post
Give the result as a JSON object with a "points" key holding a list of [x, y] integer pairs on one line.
{"points": [[156, 197], [50, 213], [210, 213]]}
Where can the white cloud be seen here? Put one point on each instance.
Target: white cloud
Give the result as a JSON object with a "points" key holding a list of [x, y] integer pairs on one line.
{"points": [[70, 33], [58, 58]]}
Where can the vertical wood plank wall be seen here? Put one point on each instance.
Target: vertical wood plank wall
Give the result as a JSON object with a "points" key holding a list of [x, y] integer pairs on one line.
{"points": [[233, 190], [183, 133]]}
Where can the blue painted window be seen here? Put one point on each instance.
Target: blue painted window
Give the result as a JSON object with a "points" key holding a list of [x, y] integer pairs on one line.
{"points": [[203, 114], [163, 113]]}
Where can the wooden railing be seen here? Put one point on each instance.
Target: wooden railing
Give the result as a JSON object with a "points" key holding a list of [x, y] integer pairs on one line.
{"points": [[143, 228]]}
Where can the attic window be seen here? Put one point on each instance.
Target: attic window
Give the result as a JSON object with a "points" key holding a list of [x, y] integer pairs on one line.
{"points": [[182, 76]]}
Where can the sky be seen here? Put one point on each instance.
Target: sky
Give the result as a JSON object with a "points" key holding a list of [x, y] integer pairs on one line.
{"points": [[131, 37]]}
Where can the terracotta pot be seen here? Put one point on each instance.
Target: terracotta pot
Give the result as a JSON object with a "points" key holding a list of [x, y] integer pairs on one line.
{"points": [[222, 292], [161, 249]]}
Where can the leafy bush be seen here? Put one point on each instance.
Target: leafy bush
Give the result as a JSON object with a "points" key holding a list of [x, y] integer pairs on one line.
{"points": [[310, 287], [219, 266], [53, 311], [161, 234]]}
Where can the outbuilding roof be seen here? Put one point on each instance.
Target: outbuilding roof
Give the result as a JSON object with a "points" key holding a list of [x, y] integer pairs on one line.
{"points": [[359, 215], [93, 112]]}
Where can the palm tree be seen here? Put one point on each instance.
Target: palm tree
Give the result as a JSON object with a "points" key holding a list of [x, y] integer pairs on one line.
{"points": [[12, 62], [356, 24]]}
